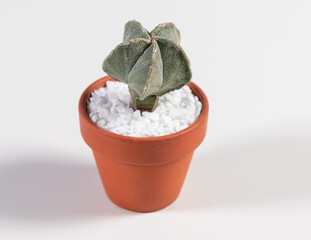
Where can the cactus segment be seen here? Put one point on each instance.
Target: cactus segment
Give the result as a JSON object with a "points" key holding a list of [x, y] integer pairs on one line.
{"points": [[148, 104], [121, 60], [176, 66], [133, 30], [166, 30], [146, 76], [152, 64]]}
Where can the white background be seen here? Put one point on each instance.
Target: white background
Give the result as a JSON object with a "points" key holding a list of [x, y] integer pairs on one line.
{"points": [[250, 178]]}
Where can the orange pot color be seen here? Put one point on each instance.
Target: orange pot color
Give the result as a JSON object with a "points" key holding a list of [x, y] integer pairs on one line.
{"points": [[142, 174]]}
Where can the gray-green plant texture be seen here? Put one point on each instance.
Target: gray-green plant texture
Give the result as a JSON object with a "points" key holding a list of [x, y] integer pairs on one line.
{"points": [[150, 63]]}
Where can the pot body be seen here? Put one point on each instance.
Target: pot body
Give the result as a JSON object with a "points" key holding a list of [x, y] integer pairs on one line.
{"points": [[142, 174]]}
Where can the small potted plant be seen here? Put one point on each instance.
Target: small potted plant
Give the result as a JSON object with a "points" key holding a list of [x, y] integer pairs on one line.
{"points": [[144, 121]]}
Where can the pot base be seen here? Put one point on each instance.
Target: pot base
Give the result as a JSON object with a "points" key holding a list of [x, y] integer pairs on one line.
{"points": [[140, 210], [142, 188]]}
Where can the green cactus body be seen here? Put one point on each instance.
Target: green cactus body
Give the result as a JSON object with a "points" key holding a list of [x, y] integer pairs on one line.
{"points": [[152, 64]]}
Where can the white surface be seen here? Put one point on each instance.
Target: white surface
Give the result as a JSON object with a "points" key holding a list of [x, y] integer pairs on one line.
{"points": [[110, 107], [250, 179]]}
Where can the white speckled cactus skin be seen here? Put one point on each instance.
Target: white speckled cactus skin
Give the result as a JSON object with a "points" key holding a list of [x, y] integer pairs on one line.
{"points": [[150, 63]]}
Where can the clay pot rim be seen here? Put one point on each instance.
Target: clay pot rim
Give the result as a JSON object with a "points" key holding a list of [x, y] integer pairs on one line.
{"points": [[83, 113]]}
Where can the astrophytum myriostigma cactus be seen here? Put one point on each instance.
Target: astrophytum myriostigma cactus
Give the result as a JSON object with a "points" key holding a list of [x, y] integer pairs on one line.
{"points": [[151, 63]]}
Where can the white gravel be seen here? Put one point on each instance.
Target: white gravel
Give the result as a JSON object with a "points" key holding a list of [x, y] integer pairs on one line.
{"points": [[110, 108]]}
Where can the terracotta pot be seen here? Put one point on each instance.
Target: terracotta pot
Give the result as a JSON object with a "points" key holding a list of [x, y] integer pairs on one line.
{"points": [[142, 174]]}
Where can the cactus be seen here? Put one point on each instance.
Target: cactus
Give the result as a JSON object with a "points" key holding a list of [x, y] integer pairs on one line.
{"points": [[150, 63]]}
